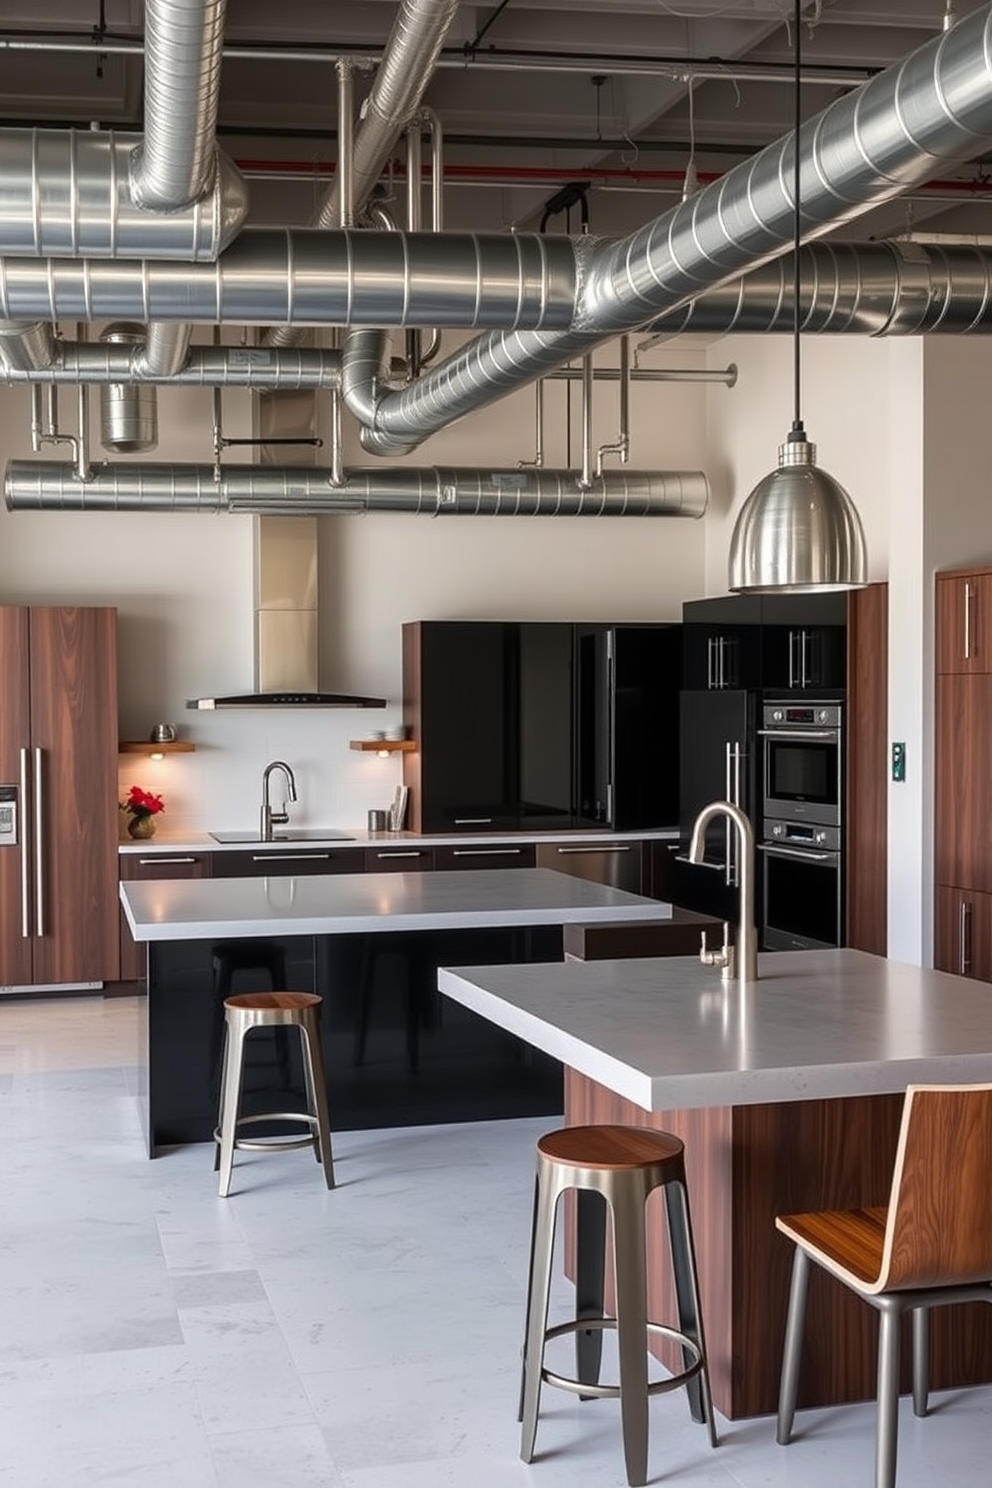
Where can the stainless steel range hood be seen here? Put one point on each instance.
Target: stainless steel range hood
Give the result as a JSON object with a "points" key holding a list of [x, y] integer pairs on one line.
{"points": [[285, 581]]}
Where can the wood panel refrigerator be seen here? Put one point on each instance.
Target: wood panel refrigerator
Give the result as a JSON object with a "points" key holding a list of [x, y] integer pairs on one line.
{"points": [[58, 797]]}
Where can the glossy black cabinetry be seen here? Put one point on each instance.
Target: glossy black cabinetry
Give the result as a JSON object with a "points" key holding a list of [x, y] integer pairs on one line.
{"points": [[781, 643], [541, 726]]}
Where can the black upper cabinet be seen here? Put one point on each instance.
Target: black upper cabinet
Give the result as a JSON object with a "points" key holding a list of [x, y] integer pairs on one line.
{"points": [[541, 725], [462, 679], [722, 643], [804, 642], [779, 643]]}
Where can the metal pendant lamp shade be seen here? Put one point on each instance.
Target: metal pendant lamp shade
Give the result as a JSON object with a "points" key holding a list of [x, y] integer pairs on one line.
{"points": [[798, 530]]}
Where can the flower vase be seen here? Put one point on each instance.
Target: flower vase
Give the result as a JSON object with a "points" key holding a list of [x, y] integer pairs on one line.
{"points": [[141, 827]]}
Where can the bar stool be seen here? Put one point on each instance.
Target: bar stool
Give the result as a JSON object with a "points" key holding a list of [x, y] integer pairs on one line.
{"points": [[615, 1168], [244, 1012]]}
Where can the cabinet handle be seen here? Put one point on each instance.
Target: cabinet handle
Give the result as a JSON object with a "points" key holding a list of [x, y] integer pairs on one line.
{"points": [[157, 861], [722, 669], [25, 855], [606, 848], [964, 938], [486, 852], [412, 853], [39, 844], [711, 662], [968, 597], [291, 857], [473, 821], [793, 636]]}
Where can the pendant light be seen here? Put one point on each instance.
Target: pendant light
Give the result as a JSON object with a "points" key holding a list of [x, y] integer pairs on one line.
{"points": [[798, 530]]}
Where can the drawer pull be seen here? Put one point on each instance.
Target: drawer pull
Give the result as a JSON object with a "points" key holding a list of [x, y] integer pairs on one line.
{"points": [[157, 861], [291, 857], [606, 848], [413, 853], [473, 821], [486, 852]]}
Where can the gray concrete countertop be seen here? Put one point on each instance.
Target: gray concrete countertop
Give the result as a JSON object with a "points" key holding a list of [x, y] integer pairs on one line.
{"points": [[170, 842], [668, 1035], [348, 903]]}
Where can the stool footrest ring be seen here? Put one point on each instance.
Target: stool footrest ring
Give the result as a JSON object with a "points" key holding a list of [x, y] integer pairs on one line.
{"points": [[603, 1392], [273, 1144]]}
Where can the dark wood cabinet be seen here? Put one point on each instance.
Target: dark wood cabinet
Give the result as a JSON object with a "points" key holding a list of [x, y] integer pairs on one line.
{"points": [[963, 932], [286, 862], [963, 604], [137, 866], [58, 754]]}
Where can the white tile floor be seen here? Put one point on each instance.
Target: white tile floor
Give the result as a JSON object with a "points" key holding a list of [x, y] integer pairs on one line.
{"points": [[153, 1335]]}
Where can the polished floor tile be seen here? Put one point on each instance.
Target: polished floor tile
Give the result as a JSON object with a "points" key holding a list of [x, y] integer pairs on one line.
{"points": [[153, 1335]]}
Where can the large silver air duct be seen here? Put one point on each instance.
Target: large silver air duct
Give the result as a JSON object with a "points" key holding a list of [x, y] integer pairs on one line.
{"points": [[895, 132], [117, 360], [310, 277], [49, 485]]}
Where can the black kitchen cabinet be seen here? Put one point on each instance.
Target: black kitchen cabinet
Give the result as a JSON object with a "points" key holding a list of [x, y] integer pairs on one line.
{"points": [[722, 643], [541, 725], [460, 702], [804, 643], [718, 763]]}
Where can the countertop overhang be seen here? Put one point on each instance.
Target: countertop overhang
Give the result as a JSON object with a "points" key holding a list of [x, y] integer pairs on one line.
{"points": [[355, 903], [667, 1034]]}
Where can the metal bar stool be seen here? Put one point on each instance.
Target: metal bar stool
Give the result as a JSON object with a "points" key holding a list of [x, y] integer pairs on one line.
{"points": [[614, 1168], [277, 1010]]}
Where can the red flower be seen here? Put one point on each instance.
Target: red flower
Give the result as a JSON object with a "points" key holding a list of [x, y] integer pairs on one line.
{"points": [[142, 803]]}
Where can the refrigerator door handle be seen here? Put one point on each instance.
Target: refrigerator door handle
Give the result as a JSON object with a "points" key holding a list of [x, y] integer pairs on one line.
{"points": [[25, 855], [39, 844]]}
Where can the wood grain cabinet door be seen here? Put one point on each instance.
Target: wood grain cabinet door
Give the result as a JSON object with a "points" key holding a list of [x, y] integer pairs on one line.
{"points": [[964, 622], [963, 782], [963, 933], [140, 866]]}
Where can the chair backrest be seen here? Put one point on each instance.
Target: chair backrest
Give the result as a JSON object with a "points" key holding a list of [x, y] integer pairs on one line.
{"points": [[939, 1226]]}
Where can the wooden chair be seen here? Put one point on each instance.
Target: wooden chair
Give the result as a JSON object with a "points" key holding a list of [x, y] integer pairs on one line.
{"points": [[930, 1246]]}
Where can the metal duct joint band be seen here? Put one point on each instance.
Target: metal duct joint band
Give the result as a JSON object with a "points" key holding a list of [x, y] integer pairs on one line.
{"points": [[67, 192], [32, 485]]}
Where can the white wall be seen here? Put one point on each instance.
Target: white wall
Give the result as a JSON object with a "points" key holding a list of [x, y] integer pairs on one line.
{"points": [[183, 587]]}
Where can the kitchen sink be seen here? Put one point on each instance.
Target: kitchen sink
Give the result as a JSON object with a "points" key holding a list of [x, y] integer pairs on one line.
{"points": [[293, 834]]}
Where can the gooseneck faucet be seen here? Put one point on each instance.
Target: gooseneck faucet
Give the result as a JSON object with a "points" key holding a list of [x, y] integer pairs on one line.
{"points": [[747, 936], [270, 818]]}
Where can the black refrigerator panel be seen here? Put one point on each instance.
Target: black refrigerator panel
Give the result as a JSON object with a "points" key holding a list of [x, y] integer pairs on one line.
{"points": [[717, 763], [593, 660], [546, 748], [647, 678], [469, 725]]}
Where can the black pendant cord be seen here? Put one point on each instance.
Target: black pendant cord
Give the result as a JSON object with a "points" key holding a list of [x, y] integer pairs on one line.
{"points": [[797, 421]]}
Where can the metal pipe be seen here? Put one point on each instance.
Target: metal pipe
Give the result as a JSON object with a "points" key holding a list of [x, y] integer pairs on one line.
{"points": [[621, 446], [346, 146], [336, 474], [83, 423], [585, 479], [205, 366], [32, 485]]}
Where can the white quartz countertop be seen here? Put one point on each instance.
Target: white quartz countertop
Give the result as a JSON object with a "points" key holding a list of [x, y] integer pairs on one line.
{"points": [[667, 1034], [171, 841], [349, 903]]}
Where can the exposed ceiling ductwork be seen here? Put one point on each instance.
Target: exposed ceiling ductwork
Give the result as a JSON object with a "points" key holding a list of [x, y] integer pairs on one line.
{"points": [[539, 301]]}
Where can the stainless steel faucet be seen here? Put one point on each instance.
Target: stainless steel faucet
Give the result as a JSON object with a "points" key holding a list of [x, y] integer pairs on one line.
{"points": [[270, 818], [745, 952]]}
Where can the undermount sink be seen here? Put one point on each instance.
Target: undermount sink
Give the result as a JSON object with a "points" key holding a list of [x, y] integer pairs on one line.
{"points": [[292, 834]]}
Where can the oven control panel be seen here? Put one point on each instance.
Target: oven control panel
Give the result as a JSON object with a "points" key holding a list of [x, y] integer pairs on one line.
{"points": [[803, 834], [805, 715]]}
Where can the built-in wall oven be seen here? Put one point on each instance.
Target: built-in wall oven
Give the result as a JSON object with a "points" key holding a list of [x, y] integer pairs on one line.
{"points": [[802, 873], [802, 879], [803, 762]]}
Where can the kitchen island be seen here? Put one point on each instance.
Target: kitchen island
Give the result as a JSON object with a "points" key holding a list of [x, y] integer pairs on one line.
{"points": [[370, 944], [788, 1095]]}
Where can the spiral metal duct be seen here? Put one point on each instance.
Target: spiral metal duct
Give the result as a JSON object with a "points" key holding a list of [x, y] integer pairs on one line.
{"points": [[32, 485], [932, 109]]}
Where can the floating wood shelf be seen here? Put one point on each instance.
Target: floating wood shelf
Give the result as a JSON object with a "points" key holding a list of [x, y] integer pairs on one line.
{"points": [[383, 746], [151, 746]]}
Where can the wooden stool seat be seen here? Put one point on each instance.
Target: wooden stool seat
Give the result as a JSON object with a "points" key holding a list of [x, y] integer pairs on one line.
{"points": [[615, 1168], [278, 1010]]}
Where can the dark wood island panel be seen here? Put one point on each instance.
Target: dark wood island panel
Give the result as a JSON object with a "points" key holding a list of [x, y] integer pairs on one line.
{"points": [[745, 1164]]}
